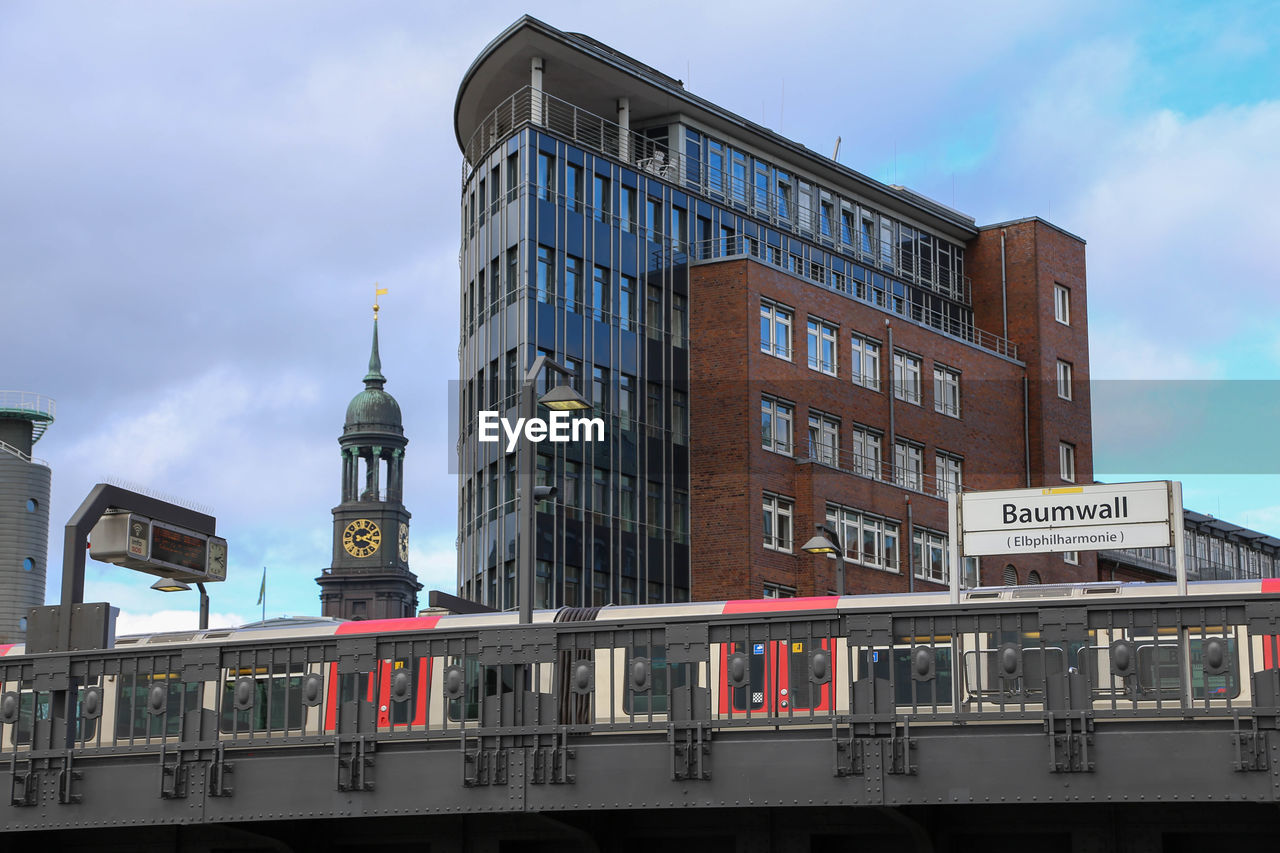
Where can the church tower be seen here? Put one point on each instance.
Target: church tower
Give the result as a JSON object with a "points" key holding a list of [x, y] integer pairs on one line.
{"points": [[370, 577]]}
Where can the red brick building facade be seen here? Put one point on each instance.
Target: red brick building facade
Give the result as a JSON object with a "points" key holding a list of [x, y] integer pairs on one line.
{"points": [[892, 447]]}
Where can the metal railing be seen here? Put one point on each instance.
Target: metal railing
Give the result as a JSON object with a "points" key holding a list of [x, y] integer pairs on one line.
{"points": [[822, 223], [874, 467], [824, 275], [989, 661], [25, 457]]}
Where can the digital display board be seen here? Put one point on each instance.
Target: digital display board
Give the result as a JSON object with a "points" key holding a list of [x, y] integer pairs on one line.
{"points": [[177, 548]]}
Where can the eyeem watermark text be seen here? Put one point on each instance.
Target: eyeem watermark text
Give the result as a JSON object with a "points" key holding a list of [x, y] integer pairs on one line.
{"points": [[560, 428]]}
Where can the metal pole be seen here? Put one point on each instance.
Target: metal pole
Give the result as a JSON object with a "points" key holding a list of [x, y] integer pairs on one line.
{"points": [[204, 606], [911, 547], [839, 568], [953, 543], [528, 512], [1179, 535]]}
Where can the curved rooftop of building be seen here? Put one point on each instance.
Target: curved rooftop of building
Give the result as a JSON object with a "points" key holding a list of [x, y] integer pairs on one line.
{"points": [[593, 77]]}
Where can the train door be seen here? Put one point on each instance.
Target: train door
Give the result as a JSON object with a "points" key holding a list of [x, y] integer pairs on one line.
{"points": [[775, 678]]}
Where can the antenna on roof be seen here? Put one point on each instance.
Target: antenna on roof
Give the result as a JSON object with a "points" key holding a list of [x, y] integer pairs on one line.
{"points": [[836, 154]]}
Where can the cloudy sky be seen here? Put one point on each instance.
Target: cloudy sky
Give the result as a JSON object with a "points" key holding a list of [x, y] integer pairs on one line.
{"points": [[196, 199]]}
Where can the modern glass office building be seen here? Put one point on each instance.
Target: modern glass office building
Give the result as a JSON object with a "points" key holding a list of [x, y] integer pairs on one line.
{"points": [[715, 286]]}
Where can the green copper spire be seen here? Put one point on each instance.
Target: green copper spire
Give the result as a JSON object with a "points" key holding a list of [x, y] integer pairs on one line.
{"points": [[374, 378]]}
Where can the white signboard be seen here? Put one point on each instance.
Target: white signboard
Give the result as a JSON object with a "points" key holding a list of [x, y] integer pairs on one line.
{"points": [[1067, 518]]}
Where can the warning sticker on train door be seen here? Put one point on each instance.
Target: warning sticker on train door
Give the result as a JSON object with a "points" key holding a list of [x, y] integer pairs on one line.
{"points": [[797, 647]]}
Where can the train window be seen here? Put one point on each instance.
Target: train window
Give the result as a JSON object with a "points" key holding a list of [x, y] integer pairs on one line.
{"points": [[280, 696], [663, 677], [35, 706], [496, 679], [755, 686], [908, 691], [134, 720], [1159, 671]]}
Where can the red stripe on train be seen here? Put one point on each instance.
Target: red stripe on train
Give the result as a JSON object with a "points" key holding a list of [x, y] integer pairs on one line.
{"points": [[1271, 584], [776, 605], [377, 626], [4, 649]]}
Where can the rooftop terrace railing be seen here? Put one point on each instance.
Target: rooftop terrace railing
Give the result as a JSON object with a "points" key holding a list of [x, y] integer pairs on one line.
{"points": [[821, 223]]}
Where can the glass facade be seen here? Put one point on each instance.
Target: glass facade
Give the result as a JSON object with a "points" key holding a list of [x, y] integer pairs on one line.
{"points": [[575, 265]]}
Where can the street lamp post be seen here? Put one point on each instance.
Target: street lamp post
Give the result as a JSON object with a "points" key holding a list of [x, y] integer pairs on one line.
{"points": [[827, 541], [561, 398]]}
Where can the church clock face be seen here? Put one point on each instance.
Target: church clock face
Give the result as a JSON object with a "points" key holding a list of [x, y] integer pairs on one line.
{"points": [[404, 542], [362, 538]]}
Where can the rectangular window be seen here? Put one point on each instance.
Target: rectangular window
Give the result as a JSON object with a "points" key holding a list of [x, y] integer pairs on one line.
{"points": [[777, 590], [908, 465], [546, 176], [600, 292], [600, 492], [653, 218], [680, 515], [572, 283], [826, 212], [822, 346], [600, 390], [1067, 461], [777, 522], [776, 420], [1064, 380], [546, 283], [946, 391], [653, 311], [930, 555], [653, 408], [847, 228], [626, 400], [1072, 557], [868, 235], [866, 362], [906, 377], [627, 500], [715, 167], [868, 539], [824, 438], [804, 204], [867, 461], [679, 417], [653, 506], [679, 225], [495, 284], [1062, 304], [627, 208], [775, 329], [573, 188], [949, 470], [679, 320], [513, 176], [626, 301], [783, 195], [600, 198], [513, 274], [739, 177]]}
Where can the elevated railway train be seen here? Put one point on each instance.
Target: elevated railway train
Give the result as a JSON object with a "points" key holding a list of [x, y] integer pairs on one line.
{"points": [[1005, 653]]}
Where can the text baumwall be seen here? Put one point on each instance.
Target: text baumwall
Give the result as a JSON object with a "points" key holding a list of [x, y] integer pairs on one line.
{"points": [[559, 428]]}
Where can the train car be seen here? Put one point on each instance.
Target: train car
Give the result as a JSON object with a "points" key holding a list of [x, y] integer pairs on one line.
{"points": [[765, 662]]}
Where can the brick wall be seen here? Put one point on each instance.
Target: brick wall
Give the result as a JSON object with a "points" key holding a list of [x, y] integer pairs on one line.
{"points": [[731, 472]]}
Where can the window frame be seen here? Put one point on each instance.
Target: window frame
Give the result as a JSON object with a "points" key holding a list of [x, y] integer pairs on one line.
{"points": [[775, 407], [1067, 461], [1065, 371], [778, 507], [907, 371], [946, 384], [1062, 303], [823, 335], [864, 354], [779, 316]]}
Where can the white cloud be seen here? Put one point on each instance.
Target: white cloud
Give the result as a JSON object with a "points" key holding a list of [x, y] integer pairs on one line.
{"points": [[160, 621]]}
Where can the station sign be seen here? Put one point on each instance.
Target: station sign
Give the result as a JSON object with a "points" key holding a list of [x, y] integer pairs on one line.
{"points": [[149, 545], [1067, 518]]}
